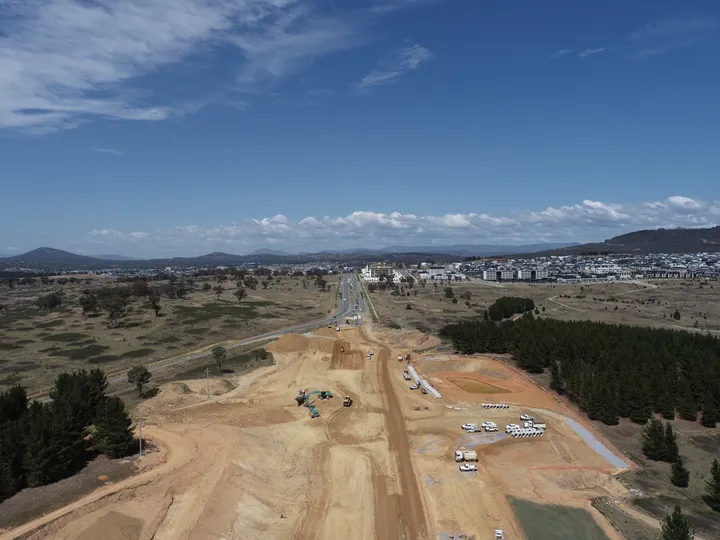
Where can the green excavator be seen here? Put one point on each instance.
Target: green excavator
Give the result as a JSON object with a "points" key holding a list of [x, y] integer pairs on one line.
{"points": [[304, 398]]}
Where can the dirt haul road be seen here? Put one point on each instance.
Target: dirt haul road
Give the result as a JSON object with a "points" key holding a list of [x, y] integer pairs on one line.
{"points": [[250, 464]]}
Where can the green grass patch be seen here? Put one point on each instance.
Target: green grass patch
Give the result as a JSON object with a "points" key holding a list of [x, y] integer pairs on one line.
{"points": [[50, 324], [24, 342], [102, 359], [138, 353], [67, 337], [197, 331], [208, 312], [50, 350], [9, 317], [81, 354], [8, 346], [22, 328], [553, 522]]}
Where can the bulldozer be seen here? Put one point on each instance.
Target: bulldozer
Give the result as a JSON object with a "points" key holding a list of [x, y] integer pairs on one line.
{"points": [[347, 401]]}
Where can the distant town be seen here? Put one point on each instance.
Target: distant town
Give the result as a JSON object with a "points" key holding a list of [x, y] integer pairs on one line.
{"points": [[555, 268]]}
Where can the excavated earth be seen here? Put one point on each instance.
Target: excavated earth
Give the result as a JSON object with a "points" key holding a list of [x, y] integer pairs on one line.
{"points": [[250, 464]]}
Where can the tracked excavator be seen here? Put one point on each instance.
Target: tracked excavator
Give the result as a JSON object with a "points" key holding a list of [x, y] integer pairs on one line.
{"points": [[304, 398]]}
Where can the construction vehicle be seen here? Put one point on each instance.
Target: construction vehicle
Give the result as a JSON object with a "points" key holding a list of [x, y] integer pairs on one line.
{"points": [[423, 390], [468, 467], [465, 455], [337, 328], [414, 386], [408, 357], [400, 358], [406, 374], [347, 401], [499, 535], [304, 398]]}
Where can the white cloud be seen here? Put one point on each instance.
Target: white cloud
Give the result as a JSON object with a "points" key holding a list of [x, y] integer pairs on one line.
{"points": [[394, 65], [586, 221], [654, 39], [591, 52], [112, 151], [63, 62], [560, 53]]}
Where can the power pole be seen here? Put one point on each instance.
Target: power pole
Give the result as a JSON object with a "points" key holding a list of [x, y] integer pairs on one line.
{"points": [[207, 379]]}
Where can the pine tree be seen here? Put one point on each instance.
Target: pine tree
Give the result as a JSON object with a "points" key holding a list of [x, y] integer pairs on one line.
{"points": [[13, 403], [709, 412], [556, 380], [671, 451], [654, 441], [640, 410], [113, 436], [39, 448], [12, 449], [687, 406], [712, 487], [679, 475], [610, 409], [677, 527]]}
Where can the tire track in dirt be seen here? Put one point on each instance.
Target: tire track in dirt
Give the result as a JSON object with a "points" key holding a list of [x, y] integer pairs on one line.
{"points": [[411, 513]]}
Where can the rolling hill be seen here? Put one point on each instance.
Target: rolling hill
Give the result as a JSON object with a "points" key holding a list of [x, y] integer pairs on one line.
{"points": [[650, 241]]}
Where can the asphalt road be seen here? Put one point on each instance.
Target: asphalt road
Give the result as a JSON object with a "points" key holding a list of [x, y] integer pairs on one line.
{"points": [[343, 310]]}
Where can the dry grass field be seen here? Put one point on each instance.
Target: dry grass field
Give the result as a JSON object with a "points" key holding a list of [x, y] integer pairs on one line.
{"points": [[36, 345], [650, 304]]}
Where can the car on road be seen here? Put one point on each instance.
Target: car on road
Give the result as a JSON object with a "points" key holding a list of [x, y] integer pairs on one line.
{"points": [[526, 417], [414, 386], [469, 426], [468, 467], [499, 535]]}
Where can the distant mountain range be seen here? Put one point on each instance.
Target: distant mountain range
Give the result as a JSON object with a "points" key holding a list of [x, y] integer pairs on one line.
{"points": [[647, 241], [650, 241], [114, 257]]}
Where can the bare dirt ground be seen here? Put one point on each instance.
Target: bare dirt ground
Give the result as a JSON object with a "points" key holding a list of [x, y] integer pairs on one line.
{"points": [[36, 345], [251, 464], [652, 304]]}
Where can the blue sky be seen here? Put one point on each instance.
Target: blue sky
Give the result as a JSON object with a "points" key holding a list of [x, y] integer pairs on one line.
{"points": [[169, 127]]}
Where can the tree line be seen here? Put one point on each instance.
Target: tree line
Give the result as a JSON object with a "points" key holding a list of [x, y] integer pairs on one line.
{"points": [[608, 370], [41, 443], [507, 306]]}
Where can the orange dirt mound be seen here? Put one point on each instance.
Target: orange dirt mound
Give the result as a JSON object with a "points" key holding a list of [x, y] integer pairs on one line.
{"points": [[345, 360], [289, 343]]}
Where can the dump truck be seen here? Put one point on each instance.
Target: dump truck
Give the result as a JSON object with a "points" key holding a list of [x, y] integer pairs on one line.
{"points": [[406, 374], [465, 455]]}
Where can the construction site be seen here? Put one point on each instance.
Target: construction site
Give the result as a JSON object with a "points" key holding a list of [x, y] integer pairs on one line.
{"points": [[355, 433]]}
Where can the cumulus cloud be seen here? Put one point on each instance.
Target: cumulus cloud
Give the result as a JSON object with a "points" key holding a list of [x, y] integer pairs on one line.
{"points": [[63, 62], [582, 222], [393, 66]]}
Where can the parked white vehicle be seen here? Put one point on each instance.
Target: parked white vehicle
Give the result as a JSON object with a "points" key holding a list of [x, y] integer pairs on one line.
{"points": [[528, 424], [526, 417], [499, 535], [468, 467], [491, 429], [414, 386], [465, 455], [488, 424], [469, 426]]}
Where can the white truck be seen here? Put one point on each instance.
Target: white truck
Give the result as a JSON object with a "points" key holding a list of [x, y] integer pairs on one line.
{"points": [[468, 427], [468, 467], [406, 374], [499, 535], [526, 417], [465, 455], [400, 358], [539, 425]]}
